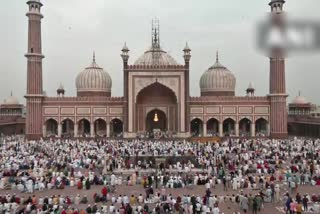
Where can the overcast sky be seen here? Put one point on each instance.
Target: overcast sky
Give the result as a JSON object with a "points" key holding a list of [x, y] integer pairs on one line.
{"points": [[73, 29]]}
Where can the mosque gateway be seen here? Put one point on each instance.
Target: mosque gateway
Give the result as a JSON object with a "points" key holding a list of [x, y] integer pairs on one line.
{"points": [[156, 99]]}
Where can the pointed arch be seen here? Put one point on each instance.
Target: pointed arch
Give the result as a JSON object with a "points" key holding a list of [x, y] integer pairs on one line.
{"points": [[159, 87], [84, 127], [213, 126], [146, 82], [245, 127], [50, 118], [196, 127], [262, 127], [100, 127], [116, 127], [51, 127], [229, 126], [67, 126]]}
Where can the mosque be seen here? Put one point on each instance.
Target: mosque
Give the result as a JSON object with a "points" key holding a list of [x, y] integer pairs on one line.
{"points": [[156, 96]]}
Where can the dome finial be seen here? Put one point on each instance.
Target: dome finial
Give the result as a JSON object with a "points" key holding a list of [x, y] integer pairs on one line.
{"points": [[11, 93], [217, 56], [186, 48], [94, 57], [125, 48], [155, 33]]}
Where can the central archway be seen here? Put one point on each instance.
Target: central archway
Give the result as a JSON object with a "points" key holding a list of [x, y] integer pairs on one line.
{"points": [[156, 119], [162, 101]]}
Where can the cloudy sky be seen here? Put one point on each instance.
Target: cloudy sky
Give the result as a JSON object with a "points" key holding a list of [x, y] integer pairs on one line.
{"points": [[73, 29]]}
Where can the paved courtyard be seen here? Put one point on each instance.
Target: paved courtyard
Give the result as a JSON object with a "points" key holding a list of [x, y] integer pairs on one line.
{"points": [[226, 207]]}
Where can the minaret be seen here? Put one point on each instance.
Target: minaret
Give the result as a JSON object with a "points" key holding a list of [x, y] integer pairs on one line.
{"points": [[125, 58], [34, 56], [187, 57], [277, 93]]}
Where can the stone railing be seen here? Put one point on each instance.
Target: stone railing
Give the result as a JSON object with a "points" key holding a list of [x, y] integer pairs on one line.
{"points": [[301, 119], [12, 120], [156, 67], [228, 99], [84, 99]]}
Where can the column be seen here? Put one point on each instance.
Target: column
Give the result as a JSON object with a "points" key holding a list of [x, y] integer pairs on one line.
{"points": [[108, 129], [204, 129], [237, 129], [91, 129], [268, 129], [220, 129], [253, 129], [96, 127], [44, 131], [75, 131], [59, 129]]}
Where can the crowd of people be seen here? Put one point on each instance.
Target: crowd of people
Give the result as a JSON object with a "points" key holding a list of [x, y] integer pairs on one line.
{"points": [[245, 173]]}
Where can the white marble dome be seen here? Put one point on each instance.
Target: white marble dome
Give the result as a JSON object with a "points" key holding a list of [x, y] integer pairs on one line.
{"points": [[217, 80], [12, 100], [155, 56], [300, 100], [93, 79]]}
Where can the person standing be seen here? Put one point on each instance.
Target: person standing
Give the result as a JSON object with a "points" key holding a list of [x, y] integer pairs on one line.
{"points": [[104, 193], [288, 202], [250, 202], [244, 203], [255, 205], [293, 207], [305, 201], [259, 199], [216, 209], [224, 180], [299, 208]]}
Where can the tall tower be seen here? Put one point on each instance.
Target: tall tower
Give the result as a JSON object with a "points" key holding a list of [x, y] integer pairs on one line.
{"points": [[34, 56], [187, 57], [125, 58], [277, 87]]}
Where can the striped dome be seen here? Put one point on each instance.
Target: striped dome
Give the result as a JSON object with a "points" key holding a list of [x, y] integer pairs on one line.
{"points": [[217, 80], [93, 79], [155, 56]]}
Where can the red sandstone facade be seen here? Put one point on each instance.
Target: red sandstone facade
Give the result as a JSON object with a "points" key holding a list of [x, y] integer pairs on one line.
{"points": [[12, 120], [156, 97]]}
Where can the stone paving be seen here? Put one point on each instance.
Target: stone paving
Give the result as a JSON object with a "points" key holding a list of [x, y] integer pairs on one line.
{"points": [[227, 207]]}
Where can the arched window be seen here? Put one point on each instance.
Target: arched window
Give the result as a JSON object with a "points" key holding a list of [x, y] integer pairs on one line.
{"points": [[213, 127], [229, 127], [244, 127], [196, 127]]}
